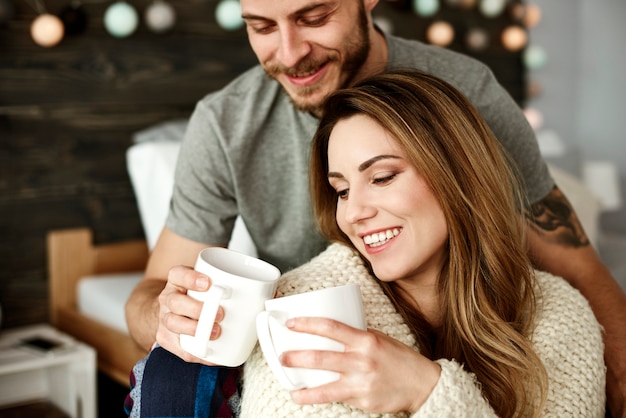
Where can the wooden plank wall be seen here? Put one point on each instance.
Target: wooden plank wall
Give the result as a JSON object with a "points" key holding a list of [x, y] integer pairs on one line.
{"points": [[68, 113]]}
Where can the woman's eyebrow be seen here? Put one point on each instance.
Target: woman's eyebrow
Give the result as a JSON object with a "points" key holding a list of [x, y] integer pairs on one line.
{"points": [[364, 166], [367, 164], [334, 175]]}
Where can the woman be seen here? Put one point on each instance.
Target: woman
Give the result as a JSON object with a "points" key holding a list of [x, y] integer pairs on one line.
{"points": [[425, 212]]}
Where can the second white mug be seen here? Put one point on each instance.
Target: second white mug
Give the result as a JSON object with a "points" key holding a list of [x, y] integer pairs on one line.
{"points": [[342, 303]]}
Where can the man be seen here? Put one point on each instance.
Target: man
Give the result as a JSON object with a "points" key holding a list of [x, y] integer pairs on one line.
{"points": [[246, 150]]}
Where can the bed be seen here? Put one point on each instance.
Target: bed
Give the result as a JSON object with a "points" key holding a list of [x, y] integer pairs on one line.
{"points": [[72, 258]]}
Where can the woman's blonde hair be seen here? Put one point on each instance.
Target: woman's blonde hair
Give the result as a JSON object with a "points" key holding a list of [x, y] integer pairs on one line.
{"points": [[486, 283]]}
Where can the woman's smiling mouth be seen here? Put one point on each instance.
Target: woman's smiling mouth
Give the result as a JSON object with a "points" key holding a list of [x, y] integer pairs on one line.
{"points": [[380, 238]]}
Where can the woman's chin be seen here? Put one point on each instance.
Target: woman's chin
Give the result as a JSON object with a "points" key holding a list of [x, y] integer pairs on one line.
{"points": [[385, 274]]}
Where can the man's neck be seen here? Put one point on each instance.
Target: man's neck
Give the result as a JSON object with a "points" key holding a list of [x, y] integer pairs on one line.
{"points": [[377, 57]]}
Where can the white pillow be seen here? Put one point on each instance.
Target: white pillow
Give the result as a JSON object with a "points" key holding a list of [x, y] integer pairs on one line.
{"points": [[151, 163], [151, 169]]}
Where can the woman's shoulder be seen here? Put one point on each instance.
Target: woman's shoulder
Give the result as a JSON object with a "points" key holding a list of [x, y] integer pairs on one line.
{"points": [[562, 310], [556, 296], [568, 339]]}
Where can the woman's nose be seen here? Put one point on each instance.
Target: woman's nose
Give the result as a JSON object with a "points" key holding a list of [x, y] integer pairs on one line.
{"points": [[358, 208]]}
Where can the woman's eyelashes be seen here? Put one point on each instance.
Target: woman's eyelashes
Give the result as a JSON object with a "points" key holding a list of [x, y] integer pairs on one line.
{"points": [[377, 180], [384, 179], [342, 194]]}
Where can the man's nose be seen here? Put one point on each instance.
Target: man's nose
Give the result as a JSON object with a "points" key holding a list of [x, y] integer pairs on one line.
{"points": [[292, 47]]}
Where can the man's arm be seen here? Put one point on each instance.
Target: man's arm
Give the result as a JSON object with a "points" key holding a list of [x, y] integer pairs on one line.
{"points": [[558, 244], [144, 312]]}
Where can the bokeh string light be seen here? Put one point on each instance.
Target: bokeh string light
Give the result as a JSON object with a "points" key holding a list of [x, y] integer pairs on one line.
{"points": [[440, 33], [228, 15], [47, 29], [426, 8], [443, 28], [514, 38], [160, 16], [477, 39], [492, 8], [121, 19], [483, 28], [532, 15], [534, 58]]}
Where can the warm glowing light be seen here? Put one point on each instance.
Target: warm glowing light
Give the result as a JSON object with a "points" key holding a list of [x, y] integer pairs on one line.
{"points": [[532, 15], [47, 30], [514, 38], [440, 33]]}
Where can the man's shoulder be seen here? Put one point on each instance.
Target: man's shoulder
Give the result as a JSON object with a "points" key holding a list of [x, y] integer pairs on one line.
{"points": [[412, 51], [452, 66]]}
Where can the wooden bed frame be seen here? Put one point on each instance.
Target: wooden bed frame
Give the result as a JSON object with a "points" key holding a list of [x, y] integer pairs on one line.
{"points": [[71, 256]]}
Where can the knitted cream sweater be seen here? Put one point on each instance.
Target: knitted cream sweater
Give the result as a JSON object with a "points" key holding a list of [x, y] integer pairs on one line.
{"points": [[567, 338]]}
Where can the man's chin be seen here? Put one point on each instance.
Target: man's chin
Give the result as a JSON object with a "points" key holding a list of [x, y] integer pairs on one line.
{"points": [[308, 104], [314, 109], [308, 100]]}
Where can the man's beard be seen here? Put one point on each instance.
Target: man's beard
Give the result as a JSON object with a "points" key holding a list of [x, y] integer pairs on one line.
{"points": [[356, 52]]}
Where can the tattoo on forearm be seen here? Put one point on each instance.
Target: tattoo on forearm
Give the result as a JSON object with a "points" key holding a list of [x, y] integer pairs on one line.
{"points": [[554, 218]]}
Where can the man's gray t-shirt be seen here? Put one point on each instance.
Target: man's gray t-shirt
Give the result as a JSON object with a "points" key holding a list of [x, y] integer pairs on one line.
{"points": [[246, 152]]}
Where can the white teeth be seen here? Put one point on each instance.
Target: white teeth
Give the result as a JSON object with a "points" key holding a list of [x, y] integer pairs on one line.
{"points": [[305, 74], [380, 238]]}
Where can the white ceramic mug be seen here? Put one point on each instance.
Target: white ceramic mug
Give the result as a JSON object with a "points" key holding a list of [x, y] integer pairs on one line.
{"points": [[240, 284], [342, 303]]}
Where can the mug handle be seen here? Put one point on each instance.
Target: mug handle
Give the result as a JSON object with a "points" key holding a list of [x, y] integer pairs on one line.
{"points": [[269, 352], [200, 342]]}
